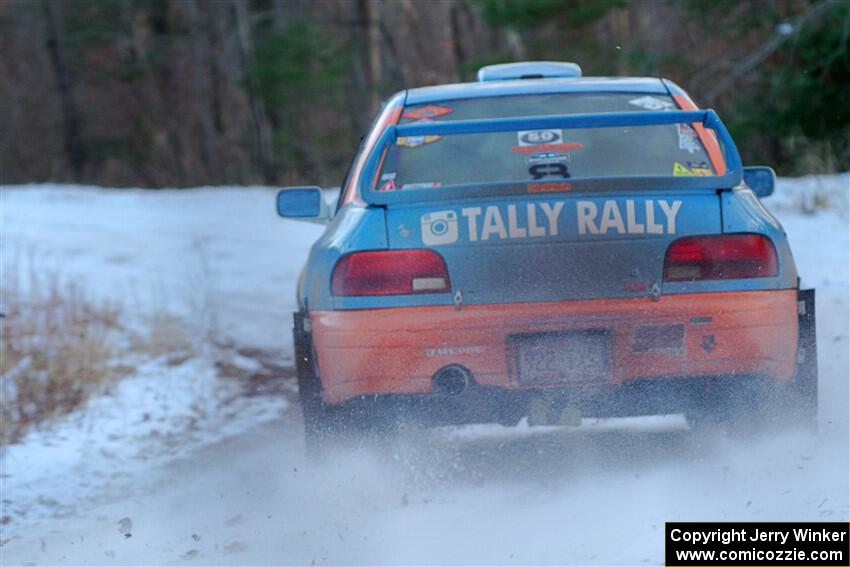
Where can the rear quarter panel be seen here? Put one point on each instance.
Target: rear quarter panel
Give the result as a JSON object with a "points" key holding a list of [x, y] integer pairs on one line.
{"points": [[743, 212], [353, 228]]}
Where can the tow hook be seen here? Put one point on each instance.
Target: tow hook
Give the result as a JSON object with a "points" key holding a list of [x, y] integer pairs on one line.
{"points": [[458, 300], [655, 291]]}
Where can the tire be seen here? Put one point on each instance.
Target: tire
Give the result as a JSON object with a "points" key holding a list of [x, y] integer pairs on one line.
{"points": [[326, 425], [734, 407], [707, 414]]}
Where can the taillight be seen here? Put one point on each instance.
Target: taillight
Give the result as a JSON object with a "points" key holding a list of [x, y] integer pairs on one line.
{"points": [[390, 272], [720, 257]]}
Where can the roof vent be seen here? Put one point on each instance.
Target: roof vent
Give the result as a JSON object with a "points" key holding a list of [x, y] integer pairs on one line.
{"points": [[528, 70]]}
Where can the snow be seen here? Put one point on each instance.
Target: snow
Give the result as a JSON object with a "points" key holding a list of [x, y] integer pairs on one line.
{"points": [[219, 257], [206, 475], [160, 413]]}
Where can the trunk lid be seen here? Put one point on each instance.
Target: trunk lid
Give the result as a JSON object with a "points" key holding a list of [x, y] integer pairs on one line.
{"points": [[552, 247]]}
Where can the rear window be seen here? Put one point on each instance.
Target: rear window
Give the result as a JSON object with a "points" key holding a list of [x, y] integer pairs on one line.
{"points": [[545, 156]]}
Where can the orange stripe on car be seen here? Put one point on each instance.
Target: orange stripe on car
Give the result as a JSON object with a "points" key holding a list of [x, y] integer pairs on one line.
{"points": [[390, 116], [397, 350]]}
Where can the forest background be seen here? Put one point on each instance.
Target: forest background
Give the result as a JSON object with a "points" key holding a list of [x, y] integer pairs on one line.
{"points": [[181, 93]]}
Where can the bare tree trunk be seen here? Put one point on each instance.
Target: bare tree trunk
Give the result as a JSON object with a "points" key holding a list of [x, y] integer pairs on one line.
{"points": [[370, 12], [456, 38], [349, 18], [279, 15], [262, 131], [216, 15], [200, 93], [67, 92], [620, 30], [516, 46]]}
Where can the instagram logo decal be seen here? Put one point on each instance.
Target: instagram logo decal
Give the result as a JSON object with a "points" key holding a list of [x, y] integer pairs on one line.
{"points": [[439, 227]]}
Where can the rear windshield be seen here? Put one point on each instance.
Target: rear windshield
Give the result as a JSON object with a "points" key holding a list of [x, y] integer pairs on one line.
{"points": [[544, 156]]}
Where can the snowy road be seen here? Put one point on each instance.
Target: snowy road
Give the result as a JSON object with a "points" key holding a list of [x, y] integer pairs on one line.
{"points": [[525, 499], [483, 495]]}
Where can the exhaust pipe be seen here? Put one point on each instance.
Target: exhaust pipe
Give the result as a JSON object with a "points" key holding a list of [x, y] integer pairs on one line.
{"points": [[451, 380]]}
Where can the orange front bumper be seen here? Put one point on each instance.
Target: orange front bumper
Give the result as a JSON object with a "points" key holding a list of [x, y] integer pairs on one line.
{"points": [[398, 350]]}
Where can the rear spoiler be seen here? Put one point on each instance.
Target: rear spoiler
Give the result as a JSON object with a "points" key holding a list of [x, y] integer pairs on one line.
{"points": [[708, 118]]}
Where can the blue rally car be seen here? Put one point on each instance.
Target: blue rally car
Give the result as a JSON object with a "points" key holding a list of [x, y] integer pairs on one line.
{"points": [[544, 245]]}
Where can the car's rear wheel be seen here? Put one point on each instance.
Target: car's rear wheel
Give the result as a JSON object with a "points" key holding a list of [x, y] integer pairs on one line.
{"points": [[325, 425], [753, 407], [328, 425], [746, 405], [318, 419]]}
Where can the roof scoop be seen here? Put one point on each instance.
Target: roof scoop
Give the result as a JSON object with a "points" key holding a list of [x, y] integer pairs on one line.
{"points": [[528, 70]]}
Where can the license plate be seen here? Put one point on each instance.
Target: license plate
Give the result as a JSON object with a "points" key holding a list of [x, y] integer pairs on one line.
{"points": [[558, 358]]}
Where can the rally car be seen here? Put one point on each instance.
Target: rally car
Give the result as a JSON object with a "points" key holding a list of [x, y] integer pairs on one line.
{"points": [[543, 245]]}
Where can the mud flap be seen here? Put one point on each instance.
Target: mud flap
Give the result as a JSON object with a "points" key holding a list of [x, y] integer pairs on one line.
{"points": [[303, 343], [309, 388], [805, 383]]}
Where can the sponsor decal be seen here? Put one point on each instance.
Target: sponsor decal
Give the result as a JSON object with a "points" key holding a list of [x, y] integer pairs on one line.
{"points": [[548, 157], [680, 170], [653, 103], [548, 187], [386, 186], [700, 169], [453, 351], [669, 339], [688, 139], [542, 170], [611, 218], [541, 219], [387, 176], [709, 343], [537, 137], [439, 227], [565, 147], [416, 141], [630, 285], [429, 111], [425, 185]]}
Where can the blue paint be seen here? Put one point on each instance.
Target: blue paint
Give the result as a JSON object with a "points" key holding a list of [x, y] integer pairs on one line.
{"points": [[602, 120], [525, 259], [761, 180], [443, 93], [299, 202], [526, 70]]}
